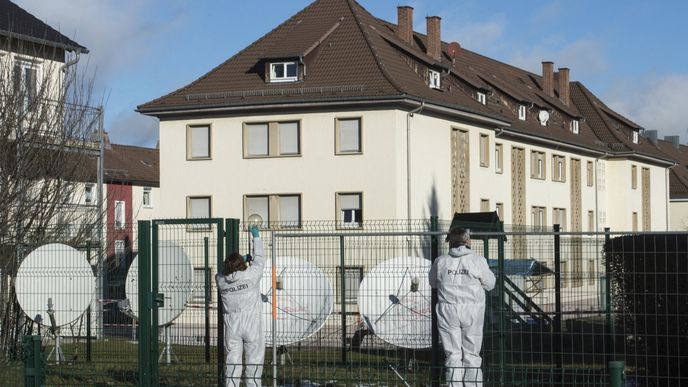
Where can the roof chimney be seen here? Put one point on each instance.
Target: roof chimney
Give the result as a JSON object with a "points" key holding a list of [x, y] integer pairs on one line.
{"points": [[651, 135], [405, 23], [564, 91], [548, 78], [434, 48], [674, 141]]}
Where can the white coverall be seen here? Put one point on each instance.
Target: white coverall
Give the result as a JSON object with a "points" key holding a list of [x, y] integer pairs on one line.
{"points": [[461, 279], [242, 306]]}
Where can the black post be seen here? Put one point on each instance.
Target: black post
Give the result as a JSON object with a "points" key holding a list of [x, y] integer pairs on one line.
{"points": [[558, 347], [231, 235], [611, 346], [434, 253]]}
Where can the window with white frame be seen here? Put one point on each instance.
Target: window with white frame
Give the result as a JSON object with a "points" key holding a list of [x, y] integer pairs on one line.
{"points": [[147, 197], [635, 137], [120, 253], [499, 158], [575, 126], [272, 139], [284, 72], [89, 196], [482, 98], [120, 215], [538, 217], [484, 150], [349, 209], [589, 174], [199, 277], [353, 275], [348, 136], [283, 210], [591, 221], [558, 168], [559, 217], [26, 81], [537, 165], [522, 111], [434, 79], [198, 207], [634, 177], [198, 142]]}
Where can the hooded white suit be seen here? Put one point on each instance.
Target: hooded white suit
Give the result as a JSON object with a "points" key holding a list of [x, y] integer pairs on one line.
{"points": [[242, 306], [461, 279]]}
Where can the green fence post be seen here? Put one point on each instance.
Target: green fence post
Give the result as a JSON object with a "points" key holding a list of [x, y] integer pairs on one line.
{"points": [[230, 233], [206, 297], [559, 347], [434, 253], [500, 308], [145, 301], [156, 298], [342, 281], [33, 361], [616, 373]]}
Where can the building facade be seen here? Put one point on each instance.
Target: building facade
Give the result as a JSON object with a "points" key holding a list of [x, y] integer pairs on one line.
{"points": [[338, 115]]}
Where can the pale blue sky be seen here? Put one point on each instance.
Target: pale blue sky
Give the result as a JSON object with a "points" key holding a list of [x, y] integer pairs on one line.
{"points": [[631, 53]]}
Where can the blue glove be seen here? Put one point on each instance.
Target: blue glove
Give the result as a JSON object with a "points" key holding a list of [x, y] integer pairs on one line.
{"points": [[254, 231], [248, 258]]}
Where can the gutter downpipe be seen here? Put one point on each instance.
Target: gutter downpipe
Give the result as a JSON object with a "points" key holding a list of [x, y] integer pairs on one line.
{"points": [[409, 115], [668, 195], [71, 62]]}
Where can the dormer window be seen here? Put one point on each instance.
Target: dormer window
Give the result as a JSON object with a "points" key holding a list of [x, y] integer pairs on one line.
{"points": [[522, 112], [284, 72], [482, 98], [635, 136], [575, 126], [434, 79]]}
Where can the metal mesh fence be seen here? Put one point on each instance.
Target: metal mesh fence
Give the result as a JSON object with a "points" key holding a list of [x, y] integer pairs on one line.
{"points": [[353, 307]]}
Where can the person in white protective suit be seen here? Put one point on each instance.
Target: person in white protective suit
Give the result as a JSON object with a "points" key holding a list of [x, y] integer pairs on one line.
{"points": [[461, 279], [239, 287]]}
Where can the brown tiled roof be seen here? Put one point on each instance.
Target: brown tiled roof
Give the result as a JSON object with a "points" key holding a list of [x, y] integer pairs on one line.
{"points": [[678, 178], [351, 55], [132, 165], [16, 22]]}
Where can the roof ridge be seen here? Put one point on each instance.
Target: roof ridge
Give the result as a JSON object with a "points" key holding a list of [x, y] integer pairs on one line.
{"points": [[372, 48], [209, 72], [134, 146]]}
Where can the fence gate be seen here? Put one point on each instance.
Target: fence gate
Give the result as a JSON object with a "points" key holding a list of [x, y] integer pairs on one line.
{"points": [[180, 326]]}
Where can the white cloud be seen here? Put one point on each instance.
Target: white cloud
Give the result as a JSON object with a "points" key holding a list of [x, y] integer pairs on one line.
{"points": [[585, 57], [133, 128], [655, 103], [481, 36], [117, 33]]}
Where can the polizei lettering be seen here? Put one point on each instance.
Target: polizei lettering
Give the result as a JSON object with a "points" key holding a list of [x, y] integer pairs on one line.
{"points": [[457, 272], [233, 289]]}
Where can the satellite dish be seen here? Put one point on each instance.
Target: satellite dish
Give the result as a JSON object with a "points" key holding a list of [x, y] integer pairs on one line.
{"points": [[543, 116], [175, 282], [394, 300], [58, 275], [304, 300], [453, 49]]}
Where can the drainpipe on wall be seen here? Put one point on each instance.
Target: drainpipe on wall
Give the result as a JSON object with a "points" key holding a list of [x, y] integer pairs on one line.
{"points": [[71, 62], [667, 194], [409, 115]]}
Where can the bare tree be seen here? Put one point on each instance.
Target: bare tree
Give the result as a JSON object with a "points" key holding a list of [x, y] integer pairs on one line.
{"points": [[50, 149]]}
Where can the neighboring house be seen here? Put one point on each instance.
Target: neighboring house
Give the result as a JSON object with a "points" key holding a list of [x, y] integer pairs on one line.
{"points": [[678, 180], [336, 114]]}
